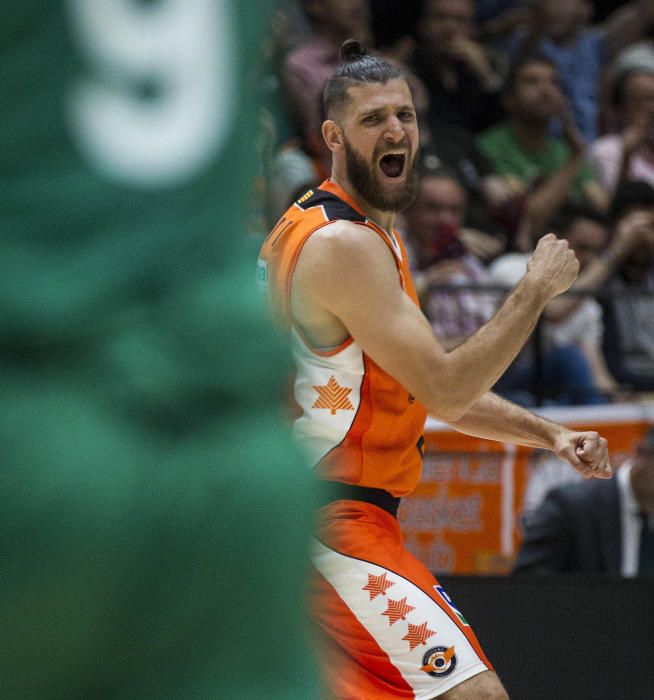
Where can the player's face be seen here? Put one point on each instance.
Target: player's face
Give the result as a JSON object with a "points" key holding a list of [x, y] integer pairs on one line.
{"points": [[380, 138]]}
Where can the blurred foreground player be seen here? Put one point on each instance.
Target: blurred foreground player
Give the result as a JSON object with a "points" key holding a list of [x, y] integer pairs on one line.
{"points": [[368, 370], [153, 519]]}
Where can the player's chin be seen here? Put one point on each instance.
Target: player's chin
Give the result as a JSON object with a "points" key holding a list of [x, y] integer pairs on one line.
{"points": [[393, 184]]}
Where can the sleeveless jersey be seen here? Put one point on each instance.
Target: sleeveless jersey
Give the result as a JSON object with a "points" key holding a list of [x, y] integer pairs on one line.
{"points": [[358, 424]]}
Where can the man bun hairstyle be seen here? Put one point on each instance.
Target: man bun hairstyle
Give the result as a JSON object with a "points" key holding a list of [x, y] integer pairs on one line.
{"points": [[357, 67], [351, 50]]}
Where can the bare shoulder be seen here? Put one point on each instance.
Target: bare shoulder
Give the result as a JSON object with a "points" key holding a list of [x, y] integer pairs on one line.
{"points": [[343, 264], [344, 236], [342, 248]]}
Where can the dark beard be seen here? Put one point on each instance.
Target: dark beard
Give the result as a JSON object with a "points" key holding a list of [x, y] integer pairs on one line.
{"points": [[365, 181]]}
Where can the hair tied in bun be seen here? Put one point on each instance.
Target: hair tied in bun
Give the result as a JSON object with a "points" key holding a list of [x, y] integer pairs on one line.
{"points": [[351, 50]]}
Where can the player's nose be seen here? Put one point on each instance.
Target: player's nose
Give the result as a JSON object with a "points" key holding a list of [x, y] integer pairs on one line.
{"points": [[394, 131]]}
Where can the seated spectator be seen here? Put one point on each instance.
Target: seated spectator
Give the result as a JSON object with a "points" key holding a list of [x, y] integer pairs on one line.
{"points": [[629, 309], [639, 55], [498, 19], [440, 256], [573, 323], [292, 173], [577, 319], [599, 526], [462, 82], [542, 169], [307, 67], [543, 373], [452, 148], [558, 28], [545, 472], [629, 154]]}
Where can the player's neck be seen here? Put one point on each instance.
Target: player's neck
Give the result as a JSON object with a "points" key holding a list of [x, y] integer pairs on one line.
{"points": [[383, 219]]}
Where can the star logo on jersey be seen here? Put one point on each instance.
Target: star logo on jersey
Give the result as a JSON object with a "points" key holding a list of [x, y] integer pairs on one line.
{"points": [[397, 610], [378, 585], [333, 397], [418, 634]]}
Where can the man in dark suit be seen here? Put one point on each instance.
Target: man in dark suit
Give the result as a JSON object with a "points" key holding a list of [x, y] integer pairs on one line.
{"points": [[596, 526]]}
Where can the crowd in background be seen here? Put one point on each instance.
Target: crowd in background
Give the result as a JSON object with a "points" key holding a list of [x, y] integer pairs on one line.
{"points": [[534, 117]]}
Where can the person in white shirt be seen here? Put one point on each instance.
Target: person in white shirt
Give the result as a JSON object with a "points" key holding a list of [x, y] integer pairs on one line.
{"points": [[575, 321], [596, 527], [629, 153]]}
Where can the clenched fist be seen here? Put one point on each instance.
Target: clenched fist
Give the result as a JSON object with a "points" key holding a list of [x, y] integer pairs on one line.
{"points": [[553, 266], [586, 451]]}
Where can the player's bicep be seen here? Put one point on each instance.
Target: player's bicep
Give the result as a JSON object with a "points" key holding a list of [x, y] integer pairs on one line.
{"points": [[356, 280]]}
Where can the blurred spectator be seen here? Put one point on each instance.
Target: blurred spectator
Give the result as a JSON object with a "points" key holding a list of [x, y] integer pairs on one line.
{"points": [[577, 319], [599, 526], [308, 66], [629, 154], [558, 28], [573, 322], [499, 18], [393, 21], [638, 55], [545, 472], [543, 170], [462, 82], [543, 373], [441, 252], [454, 149], [629, 309]]}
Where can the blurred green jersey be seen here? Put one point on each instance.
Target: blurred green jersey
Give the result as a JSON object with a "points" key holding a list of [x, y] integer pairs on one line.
{"points": [[154, 518]]}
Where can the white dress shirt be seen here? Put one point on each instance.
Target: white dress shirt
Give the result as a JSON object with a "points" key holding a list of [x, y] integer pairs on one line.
{"points": [[631, 522]]}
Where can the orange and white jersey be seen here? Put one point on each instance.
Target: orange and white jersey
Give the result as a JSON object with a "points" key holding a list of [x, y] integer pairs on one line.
{"points": [[358, 424]]}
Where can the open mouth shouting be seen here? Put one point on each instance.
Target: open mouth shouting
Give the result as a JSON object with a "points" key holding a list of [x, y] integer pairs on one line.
{"points": [[392, 164]]}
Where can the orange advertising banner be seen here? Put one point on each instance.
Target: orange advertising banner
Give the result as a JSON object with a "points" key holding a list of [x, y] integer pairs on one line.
{"points": [[464, 516]]}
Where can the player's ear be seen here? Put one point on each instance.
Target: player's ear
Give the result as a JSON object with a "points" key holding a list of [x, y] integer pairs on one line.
{"points": [[332, 134]]}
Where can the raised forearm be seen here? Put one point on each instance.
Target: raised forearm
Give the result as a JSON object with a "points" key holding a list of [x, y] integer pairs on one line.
{"points": [[484, 357], [471, 369]]}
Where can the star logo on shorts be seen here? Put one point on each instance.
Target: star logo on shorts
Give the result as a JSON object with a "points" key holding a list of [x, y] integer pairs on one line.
{"points": [[418, 634], [377, 585], [397, 610]]}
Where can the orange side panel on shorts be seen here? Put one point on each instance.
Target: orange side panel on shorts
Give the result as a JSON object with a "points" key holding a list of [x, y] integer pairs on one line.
{"points": [[361, 670]]}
